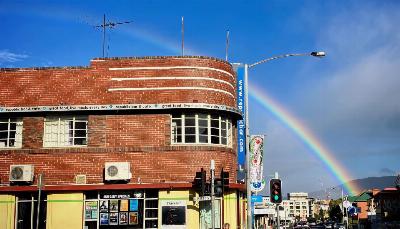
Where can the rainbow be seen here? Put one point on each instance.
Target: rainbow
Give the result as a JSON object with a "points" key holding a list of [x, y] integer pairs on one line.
{"points": [[295, 125]]}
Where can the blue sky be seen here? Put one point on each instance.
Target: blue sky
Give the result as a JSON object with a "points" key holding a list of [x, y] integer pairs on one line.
{"points": [[348, 99]]}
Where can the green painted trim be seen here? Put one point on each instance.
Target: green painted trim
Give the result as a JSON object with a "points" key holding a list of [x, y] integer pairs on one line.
{"points": [[230, 198], [63, 201], [7, 201], [175, 198]]}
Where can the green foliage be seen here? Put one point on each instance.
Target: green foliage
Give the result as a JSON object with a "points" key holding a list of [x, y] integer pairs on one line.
{"points": [[334, 211]]}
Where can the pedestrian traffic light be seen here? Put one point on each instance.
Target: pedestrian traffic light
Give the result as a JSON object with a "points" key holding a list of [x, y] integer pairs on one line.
{"points": [[275, 187], [199, 182]]}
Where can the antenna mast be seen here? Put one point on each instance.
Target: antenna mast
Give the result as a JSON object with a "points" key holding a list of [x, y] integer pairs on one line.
{"points": [[183, 37], [110, 25], [227, 45]]}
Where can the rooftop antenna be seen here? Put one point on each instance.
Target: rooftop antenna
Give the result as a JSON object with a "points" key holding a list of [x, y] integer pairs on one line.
{"points": [[110, 25], [227, 45], [183, 36]]}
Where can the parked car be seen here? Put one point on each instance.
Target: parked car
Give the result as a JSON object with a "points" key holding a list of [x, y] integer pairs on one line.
{"points": [[340, 226]]}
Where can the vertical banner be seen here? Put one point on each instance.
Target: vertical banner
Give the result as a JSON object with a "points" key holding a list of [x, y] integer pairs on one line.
{"points": [[256, 150], [241, 124]]}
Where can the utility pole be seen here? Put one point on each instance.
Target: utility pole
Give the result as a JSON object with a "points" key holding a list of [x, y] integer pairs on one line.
{"points": [[39, 186], [277, 207], [110, 25], [212, 171]]}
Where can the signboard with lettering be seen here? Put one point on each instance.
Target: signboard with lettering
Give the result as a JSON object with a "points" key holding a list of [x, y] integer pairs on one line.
{"points": [[241, 124], [173, 214]]}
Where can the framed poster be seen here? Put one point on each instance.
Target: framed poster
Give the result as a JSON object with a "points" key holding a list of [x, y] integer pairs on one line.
{"points": [[113, 206], [123, 218], [133, 205], [90, 209], [123, 205], [173, 214], [103, 218], [133, 218], [103, 205], [113, 218]]}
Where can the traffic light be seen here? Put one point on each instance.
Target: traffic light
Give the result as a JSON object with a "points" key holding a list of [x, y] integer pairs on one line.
{"points": [[199, 182], [225, 179], [275, 188], [218, 187]]}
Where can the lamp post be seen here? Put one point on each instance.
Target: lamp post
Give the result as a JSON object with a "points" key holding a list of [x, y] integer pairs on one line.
{"points": [[246, 94]]}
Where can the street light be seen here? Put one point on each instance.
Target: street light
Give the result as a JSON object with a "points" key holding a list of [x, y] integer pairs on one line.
{"points": [[246, 115]]}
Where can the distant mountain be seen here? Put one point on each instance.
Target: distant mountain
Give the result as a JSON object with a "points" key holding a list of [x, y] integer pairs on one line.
{"points": [[364, 184]]}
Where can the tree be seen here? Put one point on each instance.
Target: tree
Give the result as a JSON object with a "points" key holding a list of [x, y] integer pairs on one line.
{"points": [[334, 211]]}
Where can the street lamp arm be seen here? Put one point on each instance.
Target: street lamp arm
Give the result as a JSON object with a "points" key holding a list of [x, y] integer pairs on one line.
{"points": [[316, 54]]}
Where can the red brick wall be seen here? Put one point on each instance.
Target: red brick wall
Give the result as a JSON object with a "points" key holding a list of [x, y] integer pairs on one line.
{"points": [[32, 132], [137, 130], [90, 86], [155, 165]]}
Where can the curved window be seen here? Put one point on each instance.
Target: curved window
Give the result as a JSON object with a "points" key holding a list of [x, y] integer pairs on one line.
{"points": [[201, 129]]}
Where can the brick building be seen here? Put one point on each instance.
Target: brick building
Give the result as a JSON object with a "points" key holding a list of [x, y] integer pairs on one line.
{"points": [[125, 132]]}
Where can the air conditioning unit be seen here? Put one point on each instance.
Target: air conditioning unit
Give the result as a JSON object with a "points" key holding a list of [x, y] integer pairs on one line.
{"points": [[117, 171], [21, 173]]}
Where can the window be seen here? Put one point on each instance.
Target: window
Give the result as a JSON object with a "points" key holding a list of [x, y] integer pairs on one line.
{"points": [[10, 133], [65, 131], [201, 129]]}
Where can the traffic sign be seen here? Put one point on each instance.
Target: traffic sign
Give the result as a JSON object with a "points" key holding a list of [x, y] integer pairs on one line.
{"points": [[256, 199], [202, 198], [346, 204]]}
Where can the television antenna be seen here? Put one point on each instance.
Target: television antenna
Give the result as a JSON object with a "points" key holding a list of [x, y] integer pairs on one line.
{"points": [[110, 25]]}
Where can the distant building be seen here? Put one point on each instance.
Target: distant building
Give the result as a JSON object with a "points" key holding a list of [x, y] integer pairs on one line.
{"points": [[299, 205], [387, 204]]}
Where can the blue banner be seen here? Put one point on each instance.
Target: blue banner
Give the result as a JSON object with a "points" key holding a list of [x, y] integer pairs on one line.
{"points": [[241, 124]]}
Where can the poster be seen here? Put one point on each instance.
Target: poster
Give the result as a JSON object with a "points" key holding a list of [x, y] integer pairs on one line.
{"points": [[103, 218], [123, 205], [133, 205], [113, 206], [103, 205], [123, 218], [173, 214], [133, 218], [113, 218], [91, 210]]}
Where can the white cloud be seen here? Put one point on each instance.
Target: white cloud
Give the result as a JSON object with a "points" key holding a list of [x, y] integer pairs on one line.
{"points": [[9, 57]]}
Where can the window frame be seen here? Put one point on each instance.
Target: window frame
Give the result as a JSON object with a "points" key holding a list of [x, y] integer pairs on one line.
{"points": [[179, 135], [63, 131], [17, 135]]}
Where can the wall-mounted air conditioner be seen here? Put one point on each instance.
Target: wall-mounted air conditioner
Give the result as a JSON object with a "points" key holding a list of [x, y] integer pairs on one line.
{"points": [[21, 173], [117, 171]]}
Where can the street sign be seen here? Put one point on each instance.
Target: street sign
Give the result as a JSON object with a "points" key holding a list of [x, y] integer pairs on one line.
{"points": [[346, 204], [202, 198], [256, 199]]}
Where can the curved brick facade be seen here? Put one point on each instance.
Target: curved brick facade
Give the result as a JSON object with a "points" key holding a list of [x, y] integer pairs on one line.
{"points": [[155, 80], [141, 137]]}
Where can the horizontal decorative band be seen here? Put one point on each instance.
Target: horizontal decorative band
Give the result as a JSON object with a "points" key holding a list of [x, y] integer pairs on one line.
{"points": [[173, 78], [170, 88], [172, 67], [120, 107]]}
